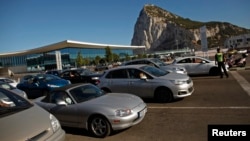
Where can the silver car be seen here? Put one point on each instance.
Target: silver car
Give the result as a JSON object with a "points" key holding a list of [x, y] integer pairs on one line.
{"points": [[196, 65], [83, 105], [147, 82], [21, 120], [8, 86], [158, 64]]}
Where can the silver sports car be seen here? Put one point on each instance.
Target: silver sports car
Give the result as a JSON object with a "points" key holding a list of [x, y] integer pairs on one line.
{"points": [[86, 106], [22, 120]]}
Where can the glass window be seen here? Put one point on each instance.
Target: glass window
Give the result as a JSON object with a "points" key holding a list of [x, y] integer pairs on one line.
{"points": [[118, 74], [85, 92], [134, 73]]}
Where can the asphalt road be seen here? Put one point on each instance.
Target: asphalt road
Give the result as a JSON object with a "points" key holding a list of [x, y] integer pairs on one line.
{"points": [[215, 101]]}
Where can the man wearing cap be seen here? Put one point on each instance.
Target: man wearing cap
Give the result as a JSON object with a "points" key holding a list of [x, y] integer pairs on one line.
{"points": [[220, 61]]}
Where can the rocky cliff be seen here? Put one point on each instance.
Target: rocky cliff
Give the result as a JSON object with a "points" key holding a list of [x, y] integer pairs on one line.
{"points": [[159, 30]]}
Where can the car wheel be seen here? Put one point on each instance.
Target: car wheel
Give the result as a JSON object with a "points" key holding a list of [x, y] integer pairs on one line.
{"points": [[214, 71], [99, 126], [163, 95]]}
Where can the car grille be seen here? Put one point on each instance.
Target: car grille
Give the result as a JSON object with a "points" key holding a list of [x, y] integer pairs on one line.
{"points": [[141, 114]]}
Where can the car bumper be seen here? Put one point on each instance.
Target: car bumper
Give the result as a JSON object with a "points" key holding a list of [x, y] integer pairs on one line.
{"points": [[183, 91], [125, 122], [57, 136]]}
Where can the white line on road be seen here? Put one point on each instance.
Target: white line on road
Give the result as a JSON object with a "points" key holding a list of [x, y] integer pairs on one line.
{"points": [[229, 107], [242, 81]]}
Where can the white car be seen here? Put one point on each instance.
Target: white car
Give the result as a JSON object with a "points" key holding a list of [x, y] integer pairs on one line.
{"points": [[8, 86], [196, 65], [8, 80], [158, 64]]}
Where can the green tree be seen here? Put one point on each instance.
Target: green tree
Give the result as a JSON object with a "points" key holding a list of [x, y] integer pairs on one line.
{"points": [[79, 59], [97, 60], [116, 57], [109, 55]]}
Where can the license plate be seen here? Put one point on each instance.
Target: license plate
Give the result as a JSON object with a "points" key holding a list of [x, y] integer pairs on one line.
{"points": [[141, 113]]}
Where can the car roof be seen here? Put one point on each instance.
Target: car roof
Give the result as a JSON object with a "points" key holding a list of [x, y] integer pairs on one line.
{"points": [[140, 59], [128, 66], [69, 86], [181, 58]]}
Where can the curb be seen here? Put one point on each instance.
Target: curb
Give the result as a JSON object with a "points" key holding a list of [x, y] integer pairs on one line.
{"points": [[240, 68]]}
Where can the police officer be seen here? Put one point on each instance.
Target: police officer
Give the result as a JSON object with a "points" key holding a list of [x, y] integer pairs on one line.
{"points": [[220, 61]]}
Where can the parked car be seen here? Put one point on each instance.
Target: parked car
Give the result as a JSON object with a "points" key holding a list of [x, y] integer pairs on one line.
{"points": [[24, 121], [84, 105], [158, 64], [40, 84], [147, 82], [81, 76], [8, 80], [8, 86], [102, 67], [196, 65]]}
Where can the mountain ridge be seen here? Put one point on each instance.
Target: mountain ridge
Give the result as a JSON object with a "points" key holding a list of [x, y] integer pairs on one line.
{"points": [[159, 29]]}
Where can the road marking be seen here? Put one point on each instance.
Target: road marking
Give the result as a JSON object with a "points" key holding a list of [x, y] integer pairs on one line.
{"points": [[242, 81], [229, 107]]}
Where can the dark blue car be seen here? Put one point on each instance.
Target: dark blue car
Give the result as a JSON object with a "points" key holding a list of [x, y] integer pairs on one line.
{"points": [[40, 84]]}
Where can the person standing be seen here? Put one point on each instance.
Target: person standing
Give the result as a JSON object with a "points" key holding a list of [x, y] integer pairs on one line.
{"points": [[220, 61]]}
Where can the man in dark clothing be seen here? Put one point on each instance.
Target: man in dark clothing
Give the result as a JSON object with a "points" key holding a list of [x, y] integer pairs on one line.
{"points": [[220, 60]]}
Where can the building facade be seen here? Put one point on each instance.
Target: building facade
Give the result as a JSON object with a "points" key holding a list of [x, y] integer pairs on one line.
{"points": [[238, 42], [62, 54]]}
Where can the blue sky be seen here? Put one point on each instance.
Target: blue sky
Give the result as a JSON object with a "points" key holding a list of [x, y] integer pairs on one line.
{"points": [[27, 24]]}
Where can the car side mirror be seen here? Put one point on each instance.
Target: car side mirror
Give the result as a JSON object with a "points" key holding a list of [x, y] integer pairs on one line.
{"points": [[203, 62], [61, 102]]}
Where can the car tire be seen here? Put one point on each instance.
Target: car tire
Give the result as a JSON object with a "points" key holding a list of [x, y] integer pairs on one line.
{"points": [[163, 95], [99, 126], [214, 71]]}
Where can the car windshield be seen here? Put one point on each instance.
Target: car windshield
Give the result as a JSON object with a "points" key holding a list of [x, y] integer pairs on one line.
{"points": [[11, 103], [47, 77], [154, 71], [158, 62], [84, 71], [85, 92]]}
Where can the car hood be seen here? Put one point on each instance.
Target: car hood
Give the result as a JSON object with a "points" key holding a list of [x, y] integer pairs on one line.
{"points": [[175, 76], [58, 82], [118, 100], [26, 124]]}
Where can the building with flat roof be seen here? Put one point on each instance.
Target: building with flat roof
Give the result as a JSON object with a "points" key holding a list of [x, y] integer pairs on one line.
{"points": [[61, 54], [238, 42]]}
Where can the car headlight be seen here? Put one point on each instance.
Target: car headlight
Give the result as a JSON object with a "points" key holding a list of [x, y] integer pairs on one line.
{"points": [[123, 112], [52, 85], [54, 123], [178, 82], [95, 78]]}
